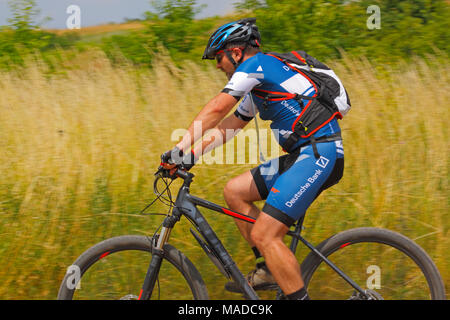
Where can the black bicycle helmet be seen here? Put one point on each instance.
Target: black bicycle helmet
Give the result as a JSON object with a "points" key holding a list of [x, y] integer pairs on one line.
{"points": [[243, 30]]}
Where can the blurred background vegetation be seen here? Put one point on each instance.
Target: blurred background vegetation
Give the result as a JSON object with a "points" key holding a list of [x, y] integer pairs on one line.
{"points": [[85, 114], [323, 28]]}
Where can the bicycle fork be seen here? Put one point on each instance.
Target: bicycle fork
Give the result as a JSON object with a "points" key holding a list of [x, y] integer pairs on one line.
{"points": [[157, 258]]}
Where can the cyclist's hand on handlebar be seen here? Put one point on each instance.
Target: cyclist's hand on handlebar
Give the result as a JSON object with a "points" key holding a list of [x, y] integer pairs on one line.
{"points": [[175, 159], [168, 160], [166, 173]]}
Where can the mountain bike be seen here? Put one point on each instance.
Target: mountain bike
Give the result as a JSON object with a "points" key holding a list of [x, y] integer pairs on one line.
{"points": [[356, 264]]}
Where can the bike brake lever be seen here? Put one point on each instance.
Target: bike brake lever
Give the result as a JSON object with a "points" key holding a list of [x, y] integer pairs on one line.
{"points": [[165, 173]]}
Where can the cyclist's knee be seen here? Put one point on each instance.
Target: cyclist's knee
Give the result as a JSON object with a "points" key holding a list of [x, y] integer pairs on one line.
{"points": [[230, 191], [257, 236], [241, 188], [267, 230], [262, 239]]}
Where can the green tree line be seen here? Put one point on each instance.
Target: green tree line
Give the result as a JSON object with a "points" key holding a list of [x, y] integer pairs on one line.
{"points": [[407, 27], [24, 34], [323, 28]]}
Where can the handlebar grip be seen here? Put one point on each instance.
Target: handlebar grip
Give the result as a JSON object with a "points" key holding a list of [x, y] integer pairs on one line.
{"points": [[165, 173]]}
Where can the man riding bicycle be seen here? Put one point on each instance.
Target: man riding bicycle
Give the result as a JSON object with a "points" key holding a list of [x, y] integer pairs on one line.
{"points": [[288, 184]]}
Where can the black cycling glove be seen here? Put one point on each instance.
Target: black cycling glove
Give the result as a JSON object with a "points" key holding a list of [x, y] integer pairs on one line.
{"points": [[176, 156]]}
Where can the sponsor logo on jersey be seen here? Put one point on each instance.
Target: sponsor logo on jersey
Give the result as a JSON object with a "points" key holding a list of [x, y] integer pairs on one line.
{"points": [[322, 162]]}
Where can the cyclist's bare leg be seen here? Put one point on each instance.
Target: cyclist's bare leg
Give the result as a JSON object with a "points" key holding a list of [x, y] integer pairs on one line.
{"points": [[268, 234], [240, 193]]}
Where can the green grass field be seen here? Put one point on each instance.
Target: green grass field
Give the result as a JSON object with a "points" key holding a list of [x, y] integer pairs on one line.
{"points": [[78, 152]]}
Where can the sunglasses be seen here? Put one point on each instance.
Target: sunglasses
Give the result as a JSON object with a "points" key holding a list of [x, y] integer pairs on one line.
{"points": [[219, 56], [221, 53]]}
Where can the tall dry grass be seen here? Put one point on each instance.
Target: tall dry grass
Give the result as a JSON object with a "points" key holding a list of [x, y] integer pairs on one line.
{"points": [[77, 153]]}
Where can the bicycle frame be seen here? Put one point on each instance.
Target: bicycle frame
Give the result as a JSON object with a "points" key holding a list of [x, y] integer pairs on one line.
{"points": [[186, 204]]}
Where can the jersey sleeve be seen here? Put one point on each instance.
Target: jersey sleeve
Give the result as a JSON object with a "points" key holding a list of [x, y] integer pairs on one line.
{"points": [[240, 84], [246, 111]]}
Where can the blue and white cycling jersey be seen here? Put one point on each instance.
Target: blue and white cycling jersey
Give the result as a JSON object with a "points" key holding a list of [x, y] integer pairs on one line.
{"points": [[265, 72], [299, 177]]}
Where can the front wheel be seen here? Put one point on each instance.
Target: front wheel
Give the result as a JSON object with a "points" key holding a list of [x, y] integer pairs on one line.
{"points": [[116, 269], [386, 264]]}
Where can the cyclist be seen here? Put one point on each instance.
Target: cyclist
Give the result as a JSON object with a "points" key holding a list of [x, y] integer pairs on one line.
{"points": [[289, 184]]}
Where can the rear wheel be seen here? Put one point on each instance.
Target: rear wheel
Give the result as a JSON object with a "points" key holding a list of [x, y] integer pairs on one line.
{"points": [[386, 264], [116, 269]]}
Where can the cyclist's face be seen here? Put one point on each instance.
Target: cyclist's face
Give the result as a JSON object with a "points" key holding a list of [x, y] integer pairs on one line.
{"points": [[224, 64]]}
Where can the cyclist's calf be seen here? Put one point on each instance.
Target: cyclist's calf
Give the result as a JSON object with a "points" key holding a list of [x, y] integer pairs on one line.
{"points": [[267, 234]]}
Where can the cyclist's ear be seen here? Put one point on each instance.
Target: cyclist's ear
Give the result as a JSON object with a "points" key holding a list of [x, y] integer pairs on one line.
{"points": [[237, 53]]}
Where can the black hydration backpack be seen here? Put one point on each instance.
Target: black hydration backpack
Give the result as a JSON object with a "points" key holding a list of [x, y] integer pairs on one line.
{"points": [[329, 101]]}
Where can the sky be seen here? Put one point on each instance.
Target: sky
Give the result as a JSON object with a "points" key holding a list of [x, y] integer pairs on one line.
{"points": [[95, 12]]}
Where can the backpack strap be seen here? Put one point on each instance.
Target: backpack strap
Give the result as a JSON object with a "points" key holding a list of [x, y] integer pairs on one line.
{"points": [[294, 137], [279, 96], [299, 57]]}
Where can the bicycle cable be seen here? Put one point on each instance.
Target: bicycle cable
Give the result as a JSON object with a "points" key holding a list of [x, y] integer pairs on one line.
{"points": [[167, 201], [159, 196]]}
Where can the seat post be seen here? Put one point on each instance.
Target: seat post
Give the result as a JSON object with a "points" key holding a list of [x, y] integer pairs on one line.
{"points": [[297, 231]]}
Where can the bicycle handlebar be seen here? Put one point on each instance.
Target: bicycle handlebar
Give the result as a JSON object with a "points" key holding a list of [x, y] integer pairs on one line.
{"points": [[165, 173]]}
